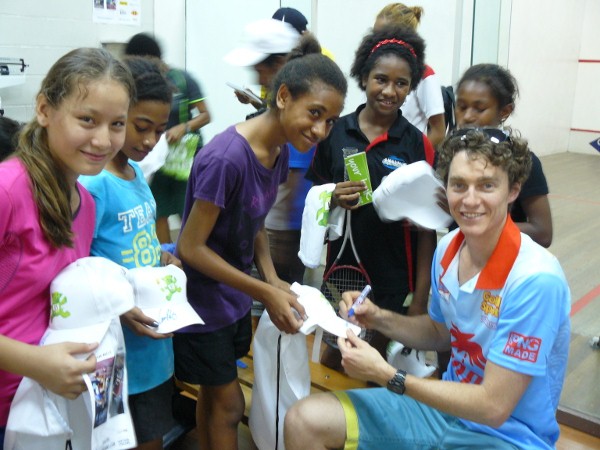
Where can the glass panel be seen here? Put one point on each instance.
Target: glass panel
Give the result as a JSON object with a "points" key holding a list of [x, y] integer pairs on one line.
{"points": [[486, 27], [581, 395]]}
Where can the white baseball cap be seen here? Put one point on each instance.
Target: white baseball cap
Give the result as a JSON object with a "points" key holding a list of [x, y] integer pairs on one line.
{"points": [[263, 38], [160, 292], [85, 297], [41, 420], [320, 312], [408, 359], [409, 192]]}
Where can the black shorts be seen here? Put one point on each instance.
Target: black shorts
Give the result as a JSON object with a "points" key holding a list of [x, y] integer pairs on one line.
{"points": [[152, 413], [169, 194], [209, 359]]}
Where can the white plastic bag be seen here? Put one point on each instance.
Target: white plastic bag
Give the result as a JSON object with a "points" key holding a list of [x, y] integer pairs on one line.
{"points": [[276, 355]]}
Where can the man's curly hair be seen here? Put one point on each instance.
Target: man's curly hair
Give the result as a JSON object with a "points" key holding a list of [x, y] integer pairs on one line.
{"points": [[512, 155]]}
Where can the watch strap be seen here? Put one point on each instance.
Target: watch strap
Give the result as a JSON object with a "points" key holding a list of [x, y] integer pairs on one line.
{"points": [[396, 384]]}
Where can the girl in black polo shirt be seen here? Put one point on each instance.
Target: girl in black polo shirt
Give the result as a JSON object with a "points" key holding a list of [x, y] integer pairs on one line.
{"points": [[387, 66]]}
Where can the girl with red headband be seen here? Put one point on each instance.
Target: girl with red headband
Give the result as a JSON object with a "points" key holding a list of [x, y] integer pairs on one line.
{"points": [[424, 107], [397, 256]]}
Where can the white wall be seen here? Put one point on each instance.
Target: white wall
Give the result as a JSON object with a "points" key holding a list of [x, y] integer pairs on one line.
{"points": [[586, 106], [540, 41], [42, 31], [169, 30], [545, 37], [212, 30]]}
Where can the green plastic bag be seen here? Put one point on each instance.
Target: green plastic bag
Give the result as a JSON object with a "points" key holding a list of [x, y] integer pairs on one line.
{"points": [[181, 156]]}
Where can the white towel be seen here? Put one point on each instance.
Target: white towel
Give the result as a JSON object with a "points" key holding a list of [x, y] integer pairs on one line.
{"points": [[155, 159], [410, 192], [314, 224], [335, 226]]}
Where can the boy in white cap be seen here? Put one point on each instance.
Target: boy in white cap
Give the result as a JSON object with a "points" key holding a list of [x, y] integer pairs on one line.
{"points": [[266, 45]]}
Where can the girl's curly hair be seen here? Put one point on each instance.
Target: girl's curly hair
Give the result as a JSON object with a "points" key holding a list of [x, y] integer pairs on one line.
{"points": [[368, 53]]}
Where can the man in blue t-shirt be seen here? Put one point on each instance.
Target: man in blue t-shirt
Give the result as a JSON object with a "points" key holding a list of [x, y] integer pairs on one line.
{"points": [[500, 303]]}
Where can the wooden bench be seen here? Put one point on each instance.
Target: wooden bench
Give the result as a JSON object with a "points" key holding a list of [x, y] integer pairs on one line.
{"points": [[322, 379]]}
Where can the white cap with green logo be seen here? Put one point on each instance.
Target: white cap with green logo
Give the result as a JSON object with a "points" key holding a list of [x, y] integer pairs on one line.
{"points": [[85, 297], [160, 292]]}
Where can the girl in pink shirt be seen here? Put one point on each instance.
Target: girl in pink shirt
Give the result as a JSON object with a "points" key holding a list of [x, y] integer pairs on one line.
{"points": [[47, 217]]}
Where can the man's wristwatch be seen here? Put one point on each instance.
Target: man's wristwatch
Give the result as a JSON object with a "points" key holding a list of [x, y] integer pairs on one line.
{"points": [[396, 384]]}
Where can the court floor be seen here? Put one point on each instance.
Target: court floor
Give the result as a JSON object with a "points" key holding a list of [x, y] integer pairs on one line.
{"points": [[574, 182]]}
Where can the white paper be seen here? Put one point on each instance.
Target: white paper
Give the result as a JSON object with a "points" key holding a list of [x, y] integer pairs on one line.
{"points": [[107, 393], [155, 159], [321, 313], [247, 92]]}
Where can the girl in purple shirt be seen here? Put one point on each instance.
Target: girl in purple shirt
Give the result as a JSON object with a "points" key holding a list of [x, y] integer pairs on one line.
{"points": [[232, 186]]}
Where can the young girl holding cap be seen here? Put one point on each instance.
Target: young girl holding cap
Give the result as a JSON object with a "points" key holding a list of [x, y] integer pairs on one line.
{"points": [[397, 256], [47, 217], [126, 234], [232, 187], [485, 97]]}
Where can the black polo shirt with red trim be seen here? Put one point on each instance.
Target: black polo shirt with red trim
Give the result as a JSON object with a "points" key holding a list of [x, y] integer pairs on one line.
{"points": [[386, 249]]}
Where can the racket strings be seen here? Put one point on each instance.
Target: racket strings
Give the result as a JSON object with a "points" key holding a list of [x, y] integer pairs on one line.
{"points": [[340, 280], [346, 277]]}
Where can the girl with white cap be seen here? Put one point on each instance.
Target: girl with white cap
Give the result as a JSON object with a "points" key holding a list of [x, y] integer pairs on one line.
{"points": [[47, 217]]}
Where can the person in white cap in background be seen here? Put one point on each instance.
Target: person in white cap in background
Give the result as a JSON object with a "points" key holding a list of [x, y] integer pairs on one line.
{"points": [[266, 45]]}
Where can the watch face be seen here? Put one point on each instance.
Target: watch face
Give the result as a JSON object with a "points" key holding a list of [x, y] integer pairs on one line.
{"points": [[396, 384]]}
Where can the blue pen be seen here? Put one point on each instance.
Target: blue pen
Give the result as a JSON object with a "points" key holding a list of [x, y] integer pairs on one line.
{"points": [[360, 299]]}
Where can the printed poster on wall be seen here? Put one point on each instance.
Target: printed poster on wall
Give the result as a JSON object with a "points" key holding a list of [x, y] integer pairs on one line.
{"points": [[117, 12]]}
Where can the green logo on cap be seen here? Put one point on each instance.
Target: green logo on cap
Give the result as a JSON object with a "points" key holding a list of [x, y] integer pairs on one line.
{"points": [[58, 301], [170, 286]]}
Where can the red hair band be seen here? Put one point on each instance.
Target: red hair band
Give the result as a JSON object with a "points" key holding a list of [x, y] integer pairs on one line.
{"points": [[395, 41]]}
